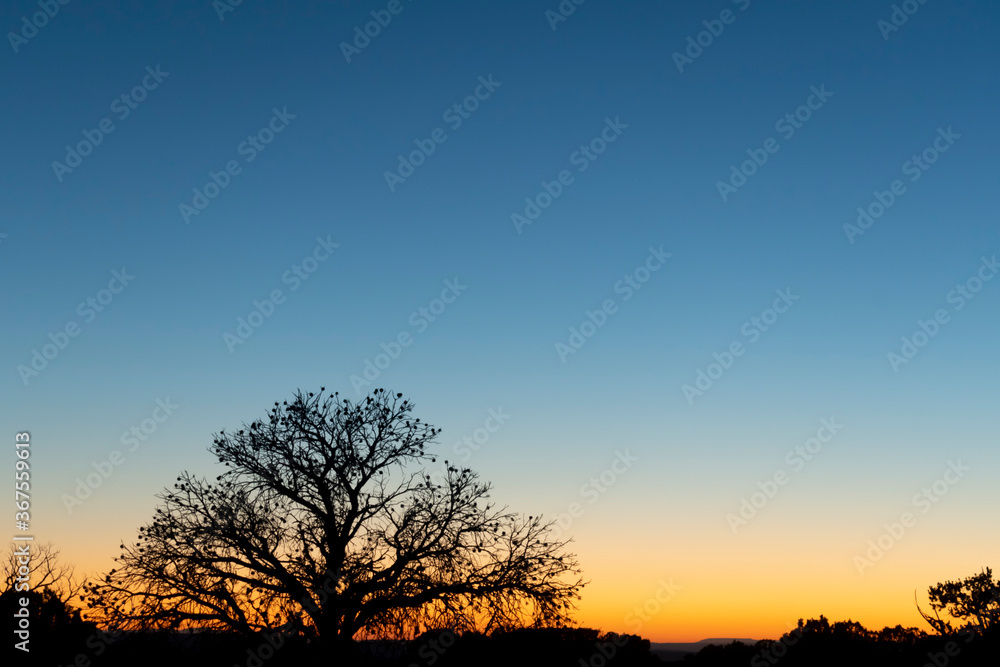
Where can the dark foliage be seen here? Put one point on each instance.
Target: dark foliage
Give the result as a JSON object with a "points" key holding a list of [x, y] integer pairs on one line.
{"points": [[819, 643], [57, 632]]}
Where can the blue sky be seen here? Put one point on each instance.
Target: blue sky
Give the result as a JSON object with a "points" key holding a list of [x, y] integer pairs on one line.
{"points": [[655, 185]]}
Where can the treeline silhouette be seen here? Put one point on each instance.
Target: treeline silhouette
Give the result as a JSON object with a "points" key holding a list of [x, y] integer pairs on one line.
{"points": [[820, 643], [60, 636], [70, 641]]}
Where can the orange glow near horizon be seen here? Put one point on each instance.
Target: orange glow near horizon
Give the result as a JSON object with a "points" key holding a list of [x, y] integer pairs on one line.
{"points": [[711, 583], [701, 603]]}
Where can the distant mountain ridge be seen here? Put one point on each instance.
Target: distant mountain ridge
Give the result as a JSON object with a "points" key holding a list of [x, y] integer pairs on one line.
{"points": [[677, 650]]}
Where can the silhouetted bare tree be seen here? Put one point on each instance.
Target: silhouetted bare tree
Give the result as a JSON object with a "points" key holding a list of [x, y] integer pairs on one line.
{"points": [[37, 583], [322, 522], [45, 571]]}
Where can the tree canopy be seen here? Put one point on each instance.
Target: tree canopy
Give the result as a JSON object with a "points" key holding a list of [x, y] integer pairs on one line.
{"points": [[973, 601], [324, 522]]}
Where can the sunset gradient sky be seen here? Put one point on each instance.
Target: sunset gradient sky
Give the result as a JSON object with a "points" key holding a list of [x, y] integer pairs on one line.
{"points": [[686, 461]]}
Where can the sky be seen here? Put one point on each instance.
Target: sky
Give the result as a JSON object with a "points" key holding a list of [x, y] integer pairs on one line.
{"points": [[707, 282]]}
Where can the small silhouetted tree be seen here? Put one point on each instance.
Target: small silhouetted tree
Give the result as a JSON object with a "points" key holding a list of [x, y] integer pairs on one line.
{"points": [[974, 601], [49, 585], [45, 571], [322, 522]]}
